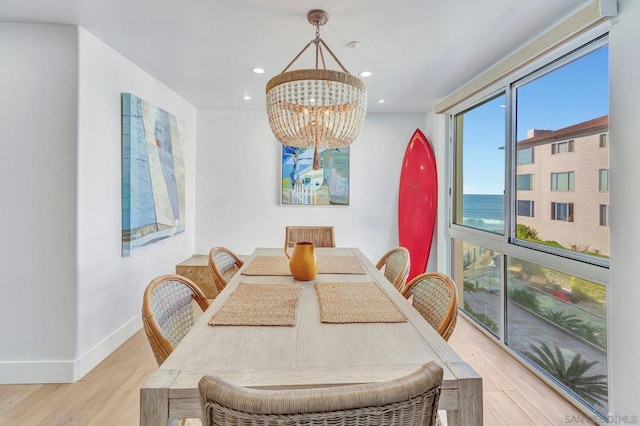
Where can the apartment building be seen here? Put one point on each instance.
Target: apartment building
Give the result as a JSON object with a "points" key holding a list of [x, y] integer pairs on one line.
{"points": [[562, 185]]}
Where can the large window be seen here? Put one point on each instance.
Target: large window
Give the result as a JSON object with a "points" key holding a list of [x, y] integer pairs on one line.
{"points": [[530, 234], [480, 269], [479, 201], [555, 320]]}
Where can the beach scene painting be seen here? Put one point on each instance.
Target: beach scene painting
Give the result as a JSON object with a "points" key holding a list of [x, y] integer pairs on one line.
{"points": [[153, 174], [304, 185]]}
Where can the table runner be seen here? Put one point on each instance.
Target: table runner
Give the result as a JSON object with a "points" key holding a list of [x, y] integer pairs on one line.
{"points": [[260, 304], [279, 265], [342, 302]]}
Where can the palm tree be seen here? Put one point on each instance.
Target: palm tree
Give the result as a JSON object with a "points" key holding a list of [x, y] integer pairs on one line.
{"points": [[590, 388], [567, 321]]}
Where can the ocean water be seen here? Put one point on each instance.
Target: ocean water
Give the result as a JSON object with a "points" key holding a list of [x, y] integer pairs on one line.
{"points": [[483, 211]]}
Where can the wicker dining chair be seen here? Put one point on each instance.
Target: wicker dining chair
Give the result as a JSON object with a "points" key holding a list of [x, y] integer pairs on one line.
{"points": [[396, 264], [409, 400], [168, 312], [320, 236], [223, 264], [435, 296]]}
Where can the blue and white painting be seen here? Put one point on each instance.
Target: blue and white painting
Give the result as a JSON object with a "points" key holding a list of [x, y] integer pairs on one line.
{"points": [[302, 185], [153, 174]]}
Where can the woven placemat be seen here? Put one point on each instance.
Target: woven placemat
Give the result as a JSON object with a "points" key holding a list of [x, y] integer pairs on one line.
{"points": [[339, 265], [279, 265], [268, 265], [260, 304], [356, 302]]}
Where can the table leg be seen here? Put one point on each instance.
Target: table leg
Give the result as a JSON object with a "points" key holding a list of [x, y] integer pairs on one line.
{"points": [[469, 396], [469, 412], [154, 399]]}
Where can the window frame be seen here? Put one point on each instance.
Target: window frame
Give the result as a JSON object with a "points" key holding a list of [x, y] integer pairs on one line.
{"points": [[571, 181], [531, 208], [604, 140], [531, 186], [532, 155], [604, 214], [605, 173], [569, 214], [578, 265], [556, 147]]}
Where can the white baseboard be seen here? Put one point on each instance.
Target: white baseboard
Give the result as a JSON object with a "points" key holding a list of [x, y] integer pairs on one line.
{"points": [[103, 349], [30, 372]]}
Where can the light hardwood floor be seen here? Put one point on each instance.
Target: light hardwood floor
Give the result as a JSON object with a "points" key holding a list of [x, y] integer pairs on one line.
{"points": [[110, 393]]}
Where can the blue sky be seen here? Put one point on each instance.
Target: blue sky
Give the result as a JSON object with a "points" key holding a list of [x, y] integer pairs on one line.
{"points": [[574, 93]]}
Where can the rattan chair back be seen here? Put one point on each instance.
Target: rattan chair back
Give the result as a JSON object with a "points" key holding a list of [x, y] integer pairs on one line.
{"points": [[435, 296], [320, 236], [223, 264], [409, 400], [168, 312], [395, 265]]}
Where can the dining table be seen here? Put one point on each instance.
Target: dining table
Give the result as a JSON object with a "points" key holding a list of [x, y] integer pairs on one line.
{"points": [[266, 330]]}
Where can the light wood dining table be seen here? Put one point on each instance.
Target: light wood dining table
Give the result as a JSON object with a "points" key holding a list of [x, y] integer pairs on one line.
{"points": [[309, 354]]}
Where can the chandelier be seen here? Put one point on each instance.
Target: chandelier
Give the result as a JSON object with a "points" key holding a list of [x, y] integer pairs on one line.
{"points": [[318, 107]]}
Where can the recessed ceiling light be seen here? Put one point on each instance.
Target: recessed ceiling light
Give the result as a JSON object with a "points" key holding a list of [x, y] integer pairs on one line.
{"points": [[380, 101], [353, 44], [365, 74], [258, 70], [247, 97]]}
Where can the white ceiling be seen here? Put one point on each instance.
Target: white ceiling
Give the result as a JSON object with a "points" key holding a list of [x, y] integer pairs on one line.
{"points": [[418, 50]]}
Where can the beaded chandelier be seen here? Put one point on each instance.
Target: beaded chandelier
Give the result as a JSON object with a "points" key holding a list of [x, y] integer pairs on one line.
{"points": [[318, 107]]}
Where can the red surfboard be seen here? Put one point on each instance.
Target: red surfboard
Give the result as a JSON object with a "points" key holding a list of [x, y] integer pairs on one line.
{"points": [[417, 202]]}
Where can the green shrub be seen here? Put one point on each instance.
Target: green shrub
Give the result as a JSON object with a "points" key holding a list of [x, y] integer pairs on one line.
{"points": [[469, 287], [525, 299], [525, 232], [593, 334], [587, 291], [482, 318]]}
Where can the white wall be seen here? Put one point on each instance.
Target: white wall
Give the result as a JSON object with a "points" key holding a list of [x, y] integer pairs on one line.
{"points": [[68, 297], [110, 286], [624, 151], [38, 105], [238, 181]]}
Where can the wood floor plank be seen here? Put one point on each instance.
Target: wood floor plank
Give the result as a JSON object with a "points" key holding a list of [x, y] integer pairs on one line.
{"points": [[11, 395], [510, 413]]}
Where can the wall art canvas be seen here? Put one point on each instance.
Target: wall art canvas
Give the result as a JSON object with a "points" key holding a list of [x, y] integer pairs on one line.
{"points": [[302, 185], [153, 174]]}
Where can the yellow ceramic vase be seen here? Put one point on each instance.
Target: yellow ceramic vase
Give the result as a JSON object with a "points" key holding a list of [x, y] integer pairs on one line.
{"points": [[303, 263]]}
